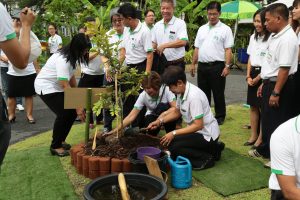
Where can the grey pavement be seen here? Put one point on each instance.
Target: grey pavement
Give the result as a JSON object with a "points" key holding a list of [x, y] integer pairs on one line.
{"points": [[235, 92]]}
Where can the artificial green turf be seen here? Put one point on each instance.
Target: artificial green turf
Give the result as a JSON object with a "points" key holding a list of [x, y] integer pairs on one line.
{"points": [[34, 174], [234, 174]]}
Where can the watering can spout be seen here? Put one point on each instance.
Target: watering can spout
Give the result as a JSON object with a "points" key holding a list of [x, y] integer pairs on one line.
{"points": [[171, 162]]}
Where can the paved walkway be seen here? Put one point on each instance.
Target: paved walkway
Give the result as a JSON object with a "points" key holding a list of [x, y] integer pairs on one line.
{"points": [[235, 93]]}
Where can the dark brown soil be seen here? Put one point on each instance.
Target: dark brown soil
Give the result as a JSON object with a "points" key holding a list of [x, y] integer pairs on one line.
{"points": [[121, 149]]}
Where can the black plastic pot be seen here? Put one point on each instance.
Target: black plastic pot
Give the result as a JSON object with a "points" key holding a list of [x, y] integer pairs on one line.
{"points": [[140, 165], [140, 182]]}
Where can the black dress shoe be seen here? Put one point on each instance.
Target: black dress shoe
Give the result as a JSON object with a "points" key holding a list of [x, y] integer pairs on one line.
{"points": [[249, 143], [202, 164], [220, 121], [66, 146], [60, 154], [219, 148]]}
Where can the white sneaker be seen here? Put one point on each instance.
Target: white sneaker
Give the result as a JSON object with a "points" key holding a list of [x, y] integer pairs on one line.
{"points": [[267, 165], [20, 107]]}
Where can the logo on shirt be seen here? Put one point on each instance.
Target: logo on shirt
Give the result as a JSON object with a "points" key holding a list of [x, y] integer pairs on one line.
{"points": [[172, 35]]}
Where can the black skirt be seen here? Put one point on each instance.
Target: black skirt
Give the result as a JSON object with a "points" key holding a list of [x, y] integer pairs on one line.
{"points": [[20, 86], [87, 80], [252, 98]]}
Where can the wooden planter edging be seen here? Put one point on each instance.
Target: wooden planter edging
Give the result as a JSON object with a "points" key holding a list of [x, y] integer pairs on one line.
{"points": [[95, 166]]}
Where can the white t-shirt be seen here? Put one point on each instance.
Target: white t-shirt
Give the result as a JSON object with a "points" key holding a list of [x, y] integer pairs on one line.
{"points": [[257, 50], [6, 30], [212, 41], [282, 51], [137, 44], [12, 70], [285, 152], [54, 42], [174, 30], [95, 66], [55, 69], [151, 103], [194, 105]]}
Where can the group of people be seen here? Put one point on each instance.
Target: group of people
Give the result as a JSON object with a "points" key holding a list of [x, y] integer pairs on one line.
{"points": [[273, 84], [159, 49]]}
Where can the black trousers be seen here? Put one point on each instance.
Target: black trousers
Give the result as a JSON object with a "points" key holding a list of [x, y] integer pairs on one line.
{"points": [[131, 99], [210, 80], [5, 134], [64, 117], [180, 64], [95, 81], [170, 126], [297, 89], [277, 195], [193, 146], [272, 117], [5, 131]]}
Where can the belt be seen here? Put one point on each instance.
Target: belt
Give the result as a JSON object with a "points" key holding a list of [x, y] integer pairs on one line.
{"points": [[256, 67], [211, 63], [172, 62], [135, 65], [274, 79]]}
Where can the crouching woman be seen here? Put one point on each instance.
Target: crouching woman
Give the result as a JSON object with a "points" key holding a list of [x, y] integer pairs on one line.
{"points": [[157, 98]]}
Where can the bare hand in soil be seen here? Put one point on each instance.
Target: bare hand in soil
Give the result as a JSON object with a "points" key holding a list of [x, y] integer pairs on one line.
{"points": [[153, 125], [166, 139]]}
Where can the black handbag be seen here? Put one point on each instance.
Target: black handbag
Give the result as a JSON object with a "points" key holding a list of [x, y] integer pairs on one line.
{"points": [[161, 107]]}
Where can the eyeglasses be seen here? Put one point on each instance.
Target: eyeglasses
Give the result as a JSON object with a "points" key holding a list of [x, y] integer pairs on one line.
{"points": [[212, 14], [117, 21]]}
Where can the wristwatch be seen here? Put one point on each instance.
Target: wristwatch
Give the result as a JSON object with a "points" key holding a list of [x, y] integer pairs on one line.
{"points": [[161, 121], [275, 94], [174, 133], [227, 65]]}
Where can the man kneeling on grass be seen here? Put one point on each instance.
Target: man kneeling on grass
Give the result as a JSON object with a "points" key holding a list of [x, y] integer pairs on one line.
{"points": [[198, 141]]}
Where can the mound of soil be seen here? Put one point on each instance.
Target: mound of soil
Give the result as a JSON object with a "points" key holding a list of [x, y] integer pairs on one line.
{"points": [[122, 148]]}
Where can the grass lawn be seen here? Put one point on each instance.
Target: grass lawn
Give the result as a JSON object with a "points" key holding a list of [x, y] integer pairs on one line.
{"points": [[232, 134]]}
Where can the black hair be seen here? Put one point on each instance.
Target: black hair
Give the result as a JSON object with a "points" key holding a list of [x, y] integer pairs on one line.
{"points": [[74, 51], [152, 81], [278, 9], [265, 32], [214, 5], [173, 74], [147, 11], [128, 10], [55, 27], [295, 23]]}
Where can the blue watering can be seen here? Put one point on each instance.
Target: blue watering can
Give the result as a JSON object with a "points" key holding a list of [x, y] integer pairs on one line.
{"points": [[181, 172]]}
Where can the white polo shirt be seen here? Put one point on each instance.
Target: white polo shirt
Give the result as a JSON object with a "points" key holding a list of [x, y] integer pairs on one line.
{"points": [[114, 38], [6, 30], [285, 152], [257, 50], [212, 41], [12, 70], [95, 66], [137, 44], [174, 30], [194, 105], [150, 27], [282, 51], [151, 103], [54, 42], [55, 69]]}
